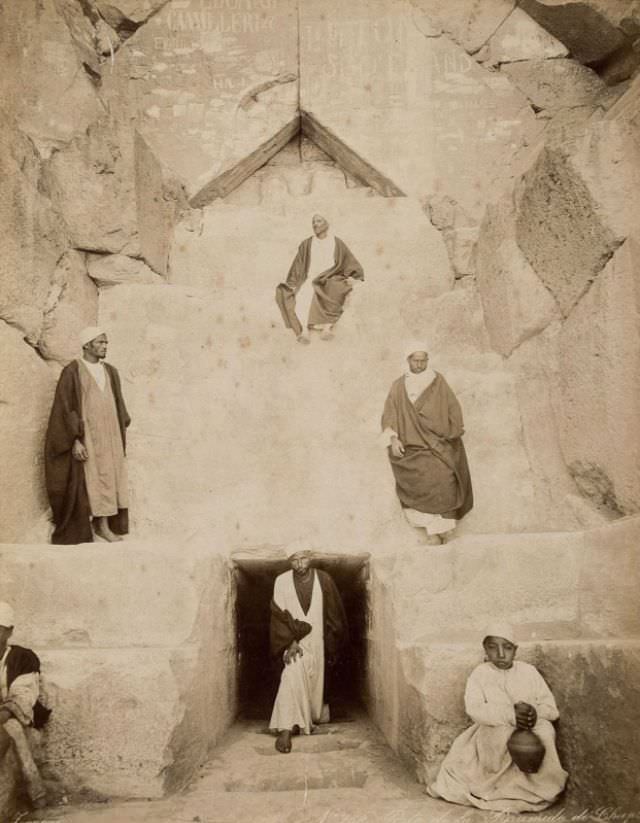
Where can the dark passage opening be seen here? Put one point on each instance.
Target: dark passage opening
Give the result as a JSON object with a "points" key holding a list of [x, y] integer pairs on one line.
{"points": [[257, 676]]}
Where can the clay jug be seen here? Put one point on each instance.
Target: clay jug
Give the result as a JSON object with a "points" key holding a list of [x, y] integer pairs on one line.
{"points": [[526, 750]]}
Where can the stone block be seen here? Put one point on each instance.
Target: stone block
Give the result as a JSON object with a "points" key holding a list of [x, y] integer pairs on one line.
{"points": [[598, 392], [93, 184], [26, 393], [520, 38], [72, 305], [555, 84], [516, 304], [44, 84], [561, 229], [592, 30], [120, 12], [469, 23], [110, 269], [34, 236]]}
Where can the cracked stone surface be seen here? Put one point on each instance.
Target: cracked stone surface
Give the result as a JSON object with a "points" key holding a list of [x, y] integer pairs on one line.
{"points": [[109, 269], [520, 38], [555, 84], [470, 23]]}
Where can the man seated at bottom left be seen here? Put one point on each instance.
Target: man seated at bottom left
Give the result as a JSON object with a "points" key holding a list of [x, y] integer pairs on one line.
{"points": [[20, 707], [307, 632]]}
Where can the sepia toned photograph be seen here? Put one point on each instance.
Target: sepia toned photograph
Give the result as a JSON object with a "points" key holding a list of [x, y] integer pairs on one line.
{"points": [[319, 411]]}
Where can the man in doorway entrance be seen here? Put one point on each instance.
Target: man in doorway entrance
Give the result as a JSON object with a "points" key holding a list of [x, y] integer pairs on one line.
{"points": [[317, 284], [308, 630]]}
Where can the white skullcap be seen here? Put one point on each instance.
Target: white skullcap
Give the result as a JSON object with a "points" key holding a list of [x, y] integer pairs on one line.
{"points": [[414, 346], [7, 617], [296, 547], [89, 334], [500, 629]]}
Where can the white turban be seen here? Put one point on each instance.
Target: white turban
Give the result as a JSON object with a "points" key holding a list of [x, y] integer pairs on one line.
{"points": [[7, 617], [296, 547], [415, 345], [89, 334], [500, 629]]}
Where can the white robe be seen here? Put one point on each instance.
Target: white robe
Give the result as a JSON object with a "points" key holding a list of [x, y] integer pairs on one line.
{"points": [[299, 701], [322, 257], [478, 770]]}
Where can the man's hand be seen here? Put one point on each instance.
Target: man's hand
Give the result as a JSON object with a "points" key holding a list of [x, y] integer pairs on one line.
{"points": [[292, 652], [526, 715], [79, 451], [397, 449]]}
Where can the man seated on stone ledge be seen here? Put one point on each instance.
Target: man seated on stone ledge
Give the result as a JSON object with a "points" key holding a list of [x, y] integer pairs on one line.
{"points": [[317, 284], [20, 708], [502, 695], [423, 428], [308, 630], [85, 463]]}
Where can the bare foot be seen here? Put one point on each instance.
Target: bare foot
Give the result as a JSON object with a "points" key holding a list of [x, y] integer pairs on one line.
{"points": [[433, 540], [303, 338], [103, 531], [283, 741], [326, 334], [433, 792]]}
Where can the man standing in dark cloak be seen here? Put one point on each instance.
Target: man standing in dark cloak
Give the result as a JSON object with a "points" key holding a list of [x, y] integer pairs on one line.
{"points": [[85, 463], [308, 630], [422, 424], [318, 284]]}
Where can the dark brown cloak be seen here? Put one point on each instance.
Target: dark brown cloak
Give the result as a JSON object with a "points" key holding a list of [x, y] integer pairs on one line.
{"points": [[433, 474], [284, 628], [330, 287], [64, 475]]}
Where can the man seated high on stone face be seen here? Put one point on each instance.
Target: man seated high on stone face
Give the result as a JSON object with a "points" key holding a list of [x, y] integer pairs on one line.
{"points": [[19, 693], [308, 628], [501, 695]]}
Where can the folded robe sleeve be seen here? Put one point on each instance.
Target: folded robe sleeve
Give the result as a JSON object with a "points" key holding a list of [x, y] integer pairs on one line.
{"points": [[544, 702], [284, 629]]}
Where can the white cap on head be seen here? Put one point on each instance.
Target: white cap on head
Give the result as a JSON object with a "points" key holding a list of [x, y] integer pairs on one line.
{"points": [[500, 629], [415, 345], [7, 617], [89, 334], [297, 546]]}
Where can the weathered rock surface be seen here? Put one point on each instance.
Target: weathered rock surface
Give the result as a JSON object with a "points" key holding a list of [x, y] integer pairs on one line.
{"points": [[72, 305], [213, 86], [34, 236], [109, 269], [26, 391], [43, 83], [133, 713], [92, 181], [120, 12], [516, 303], [470, 23], [555, 84], [599, 346], [520, 38], [593, 30], [415, 107]]}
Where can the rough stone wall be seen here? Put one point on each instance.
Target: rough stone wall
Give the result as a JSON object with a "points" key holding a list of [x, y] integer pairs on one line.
{"points": [[570, 602], [133, 713]]}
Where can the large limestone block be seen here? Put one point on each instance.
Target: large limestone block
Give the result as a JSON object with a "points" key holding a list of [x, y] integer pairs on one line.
{"points": [[469, 23], [26, 391], [93, 183], [33, 234], [415, 107], [214, 85], [119, 12], [597, 396], [561, 228], [593, 30], [114, 713], [43, 82], [555, 84], [110, 269], [103, 610], [72, 305], [520, 38], [609, 574], [516, 304]]}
